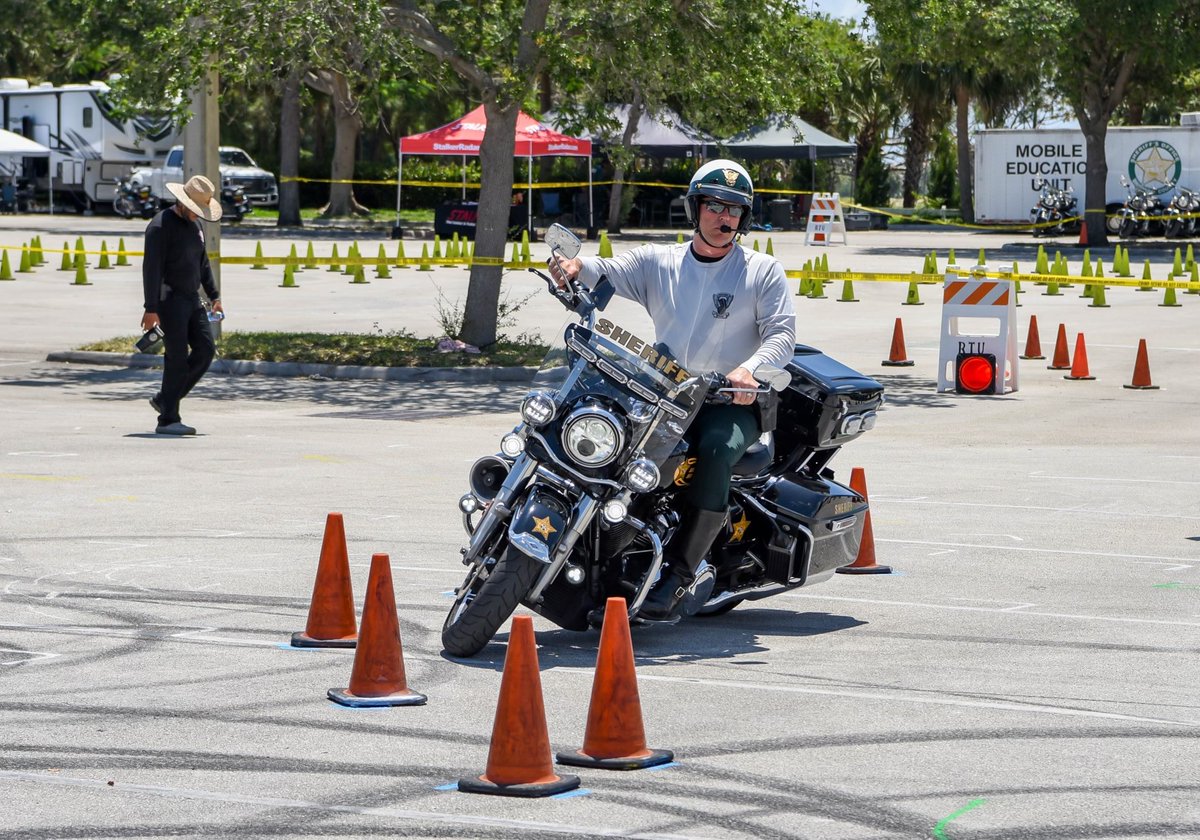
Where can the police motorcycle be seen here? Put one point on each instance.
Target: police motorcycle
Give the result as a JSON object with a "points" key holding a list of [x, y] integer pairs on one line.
{"points": [[584, 493], [130, 201], [1142, 214], [1182, 213], [1055, 212], [235, 204]]}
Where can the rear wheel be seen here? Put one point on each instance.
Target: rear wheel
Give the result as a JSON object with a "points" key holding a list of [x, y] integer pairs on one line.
{"points": [[482, 605]]}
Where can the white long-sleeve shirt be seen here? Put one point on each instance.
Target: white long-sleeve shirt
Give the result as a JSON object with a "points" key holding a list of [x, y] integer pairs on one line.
{"points": [[714, 316]]}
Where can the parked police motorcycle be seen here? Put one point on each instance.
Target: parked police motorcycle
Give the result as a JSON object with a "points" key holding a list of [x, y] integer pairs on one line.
{"points": [[130, 201], [1182, 213], [235, 205], [1142, 213], [1055, 214], [586, 490]]}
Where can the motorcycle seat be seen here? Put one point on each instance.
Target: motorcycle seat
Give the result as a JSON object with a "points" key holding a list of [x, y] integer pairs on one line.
{"points": [[757, 458]]}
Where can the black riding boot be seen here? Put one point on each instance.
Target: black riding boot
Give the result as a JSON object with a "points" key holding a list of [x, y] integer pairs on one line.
{"points": [[684, 553]]}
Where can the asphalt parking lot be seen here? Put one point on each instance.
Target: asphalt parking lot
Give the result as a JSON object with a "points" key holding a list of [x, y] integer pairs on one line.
{"points": [[1030, 669]]}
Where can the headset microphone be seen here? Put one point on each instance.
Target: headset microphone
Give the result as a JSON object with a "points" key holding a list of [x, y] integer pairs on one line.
{"points": [[726, 229]]}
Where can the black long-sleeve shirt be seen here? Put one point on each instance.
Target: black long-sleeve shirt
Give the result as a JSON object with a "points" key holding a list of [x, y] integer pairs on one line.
{"points": [[175, 257]]}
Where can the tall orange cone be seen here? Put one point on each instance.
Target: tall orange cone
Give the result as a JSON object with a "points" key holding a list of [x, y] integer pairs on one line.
{"points": [[1141, 370], [1062, 357], [1082, 234], [615, 738], [519, 762], [865, 563], [1079, 368], [898, 356], [331, 614], [1033, 342], [378, 676]]}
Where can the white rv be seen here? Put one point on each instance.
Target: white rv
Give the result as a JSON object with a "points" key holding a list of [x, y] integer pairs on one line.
{"points": [[91, 147]]}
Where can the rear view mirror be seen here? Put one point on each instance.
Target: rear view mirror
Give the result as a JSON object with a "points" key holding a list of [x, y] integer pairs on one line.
{"points": [[562, 241], [774, 378]]}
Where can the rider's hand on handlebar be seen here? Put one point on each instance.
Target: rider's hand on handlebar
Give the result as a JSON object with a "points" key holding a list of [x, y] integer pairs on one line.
{"points": [[564, 270], [742, 378]]}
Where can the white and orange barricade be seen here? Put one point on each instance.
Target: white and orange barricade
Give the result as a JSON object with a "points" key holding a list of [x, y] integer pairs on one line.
{"points": [[825, 220], [979, 316]]}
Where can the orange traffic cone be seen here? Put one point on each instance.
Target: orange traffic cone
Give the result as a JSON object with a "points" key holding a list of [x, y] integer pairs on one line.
{"points": [[378, 675], [898, 357], [865, 563], [1062, 358], [1079, 369], [1033, 343], [1141, 370], [331, 613], [1082, 234], [615, 738], [519, 761]]}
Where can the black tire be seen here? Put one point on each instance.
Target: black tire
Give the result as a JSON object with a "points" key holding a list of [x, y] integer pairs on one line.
{"points": [[1112, 219], [477, 615], [123, 207], [1128, 228]]}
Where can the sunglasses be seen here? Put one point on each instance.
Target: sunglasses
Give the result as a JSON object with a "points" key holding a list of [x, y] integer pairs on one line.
{"points": [[734, 210]]}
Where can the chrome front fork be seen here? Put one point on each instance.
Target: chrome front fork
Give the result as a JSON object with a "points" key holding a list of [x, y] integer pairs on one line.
{"points": [[500, 507]]}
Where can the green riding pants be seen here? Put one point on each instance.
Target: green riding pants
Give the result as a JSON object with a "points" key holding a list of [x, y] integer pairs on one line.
{"points": [[719, 436]]}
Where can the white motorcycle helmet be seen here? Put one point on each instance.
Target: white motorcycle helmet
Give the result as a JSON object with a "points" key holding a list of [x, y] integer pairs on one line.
{"points": [[724, 181]]}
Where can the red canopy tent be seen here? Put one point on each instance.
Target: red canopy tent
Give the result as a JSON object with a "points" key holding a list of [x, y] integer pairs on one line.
{"points": [[464, 135]]}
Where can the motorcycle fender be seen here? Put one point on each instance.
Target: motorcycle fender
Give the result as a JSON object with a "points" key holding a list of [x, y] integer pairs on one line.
{"points": [[538, 525]]}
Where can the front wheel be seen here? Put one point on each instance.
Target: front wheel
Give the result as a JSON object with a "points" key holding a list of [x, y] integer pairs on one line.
{"points": [[1112, 218], [1128, 228], [482, 605], [123, 207]]}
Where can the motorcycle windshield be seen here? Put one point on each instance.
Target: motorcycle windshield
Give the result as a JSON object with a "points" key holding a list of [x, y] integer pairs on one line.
{"points": [[658, 396]]}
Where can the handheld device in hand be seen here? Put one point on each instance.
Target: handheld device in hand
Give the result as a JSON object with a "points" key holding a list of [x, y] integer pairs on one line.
{"points": [[150, 340]]}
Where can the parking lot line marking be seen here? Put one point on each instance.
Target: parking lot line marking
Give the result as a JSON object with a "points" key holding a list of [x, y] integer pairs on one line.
{"points": [[361, 810], [939, 831], [1041, 550], [899, 697], [31, 655], [32, 477], [1108, 480], [1113, 618], [877, 499], [35, 453]]}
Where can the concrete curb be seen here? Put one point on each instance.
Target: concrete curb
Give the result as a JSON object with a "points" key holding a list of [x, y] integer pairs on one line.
{"points": [[239, 367]]}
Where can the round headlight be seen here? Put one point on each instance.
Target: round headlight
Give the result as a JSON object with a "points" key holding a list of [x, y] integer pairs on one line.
{"points": [[538, 409], [512, 445], [641, 476], [592, 437], [615, 510]]}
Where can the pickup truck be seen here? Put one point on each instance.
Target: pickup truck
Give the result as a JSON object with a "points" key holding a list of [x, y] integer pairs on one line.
{"points": [[237, 169]]}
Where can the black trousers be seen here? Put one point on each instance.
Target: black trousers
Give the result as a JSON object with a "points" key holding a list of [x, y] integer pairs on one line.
{"points": [[185, 325]]}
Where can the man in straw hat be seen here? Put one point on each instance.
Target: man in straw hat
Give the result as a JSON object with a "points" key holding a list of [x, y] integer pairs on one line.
{"points": [[173, 270]]}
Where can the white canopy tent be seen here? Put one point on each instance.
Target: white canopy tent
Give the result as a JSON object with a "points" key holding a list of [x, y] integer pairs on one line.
{"points": [[13, 147]]}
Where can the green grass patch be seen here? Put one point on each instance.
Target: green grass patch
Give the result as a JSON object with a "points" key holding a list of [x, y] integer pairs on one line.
{"points": [[308, 214], [375, 349]]}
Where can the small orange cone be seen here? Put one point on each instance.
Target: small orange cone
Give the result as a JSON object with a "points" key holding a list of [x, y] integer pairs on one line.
{"points": [[378, 676], [1083, 233], [865, 563], [519, 761], [615, 738], [1033, 343], [898, 357], [331, 614], [1079, 369], [1141, 370], [1062, 357]]}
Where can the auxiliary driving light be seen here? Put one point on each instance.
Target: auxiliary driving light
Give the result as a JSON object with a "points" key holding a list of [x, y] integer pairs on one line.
{"points": [[641, 476], [615, 510], [574, 574], [468, 504], [538, 408]]}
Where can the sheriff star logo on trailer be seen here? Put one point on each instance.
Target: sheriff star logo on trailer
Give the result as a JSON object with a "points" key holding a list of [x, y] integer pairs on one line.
{"points": [[1155, 166]]}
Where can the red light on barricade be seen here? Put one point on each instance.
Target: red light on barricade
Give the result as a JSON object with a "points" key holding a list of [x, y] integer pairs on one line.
{"points": [[975, 373]]}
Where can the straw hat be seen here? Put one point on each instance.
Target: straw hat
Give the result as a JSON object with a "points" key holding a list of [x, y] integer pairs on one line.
{"points": [[197, 196]]}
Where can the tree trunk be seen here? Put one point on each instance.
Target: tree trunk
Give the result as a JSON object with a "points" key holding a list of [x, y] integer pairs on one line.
{"points": [[614, 197], [966, 192], [491, 228], [916, 151], [347, 124], [1094, 134], [289, 152]]}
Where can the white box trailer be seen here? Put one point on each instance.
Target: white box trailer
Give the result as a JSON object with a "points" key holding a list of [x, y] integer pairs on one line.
{"points": [[91, 146], [1012, 164]]}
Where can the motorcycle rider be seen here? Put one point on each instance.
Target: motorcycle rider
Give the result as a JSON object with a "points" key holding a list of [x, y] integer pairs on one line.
{"points": [[716, 306]]}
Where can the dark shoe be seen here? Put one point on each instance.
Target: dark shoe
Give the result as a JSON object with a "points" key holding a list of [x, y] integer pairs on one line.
{"points": [[155, 404], [177, 429], [685, 554]]}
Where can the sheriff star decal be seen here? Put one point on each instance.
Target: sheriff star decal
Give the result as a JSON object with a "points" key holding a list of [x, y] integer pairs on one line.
{"points": [[739, 528], [542, 527]]}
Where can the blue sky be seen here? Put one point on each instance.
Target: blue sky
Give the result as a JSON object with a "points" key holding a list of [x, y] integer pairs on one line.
{"points": [[852, 9]]}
